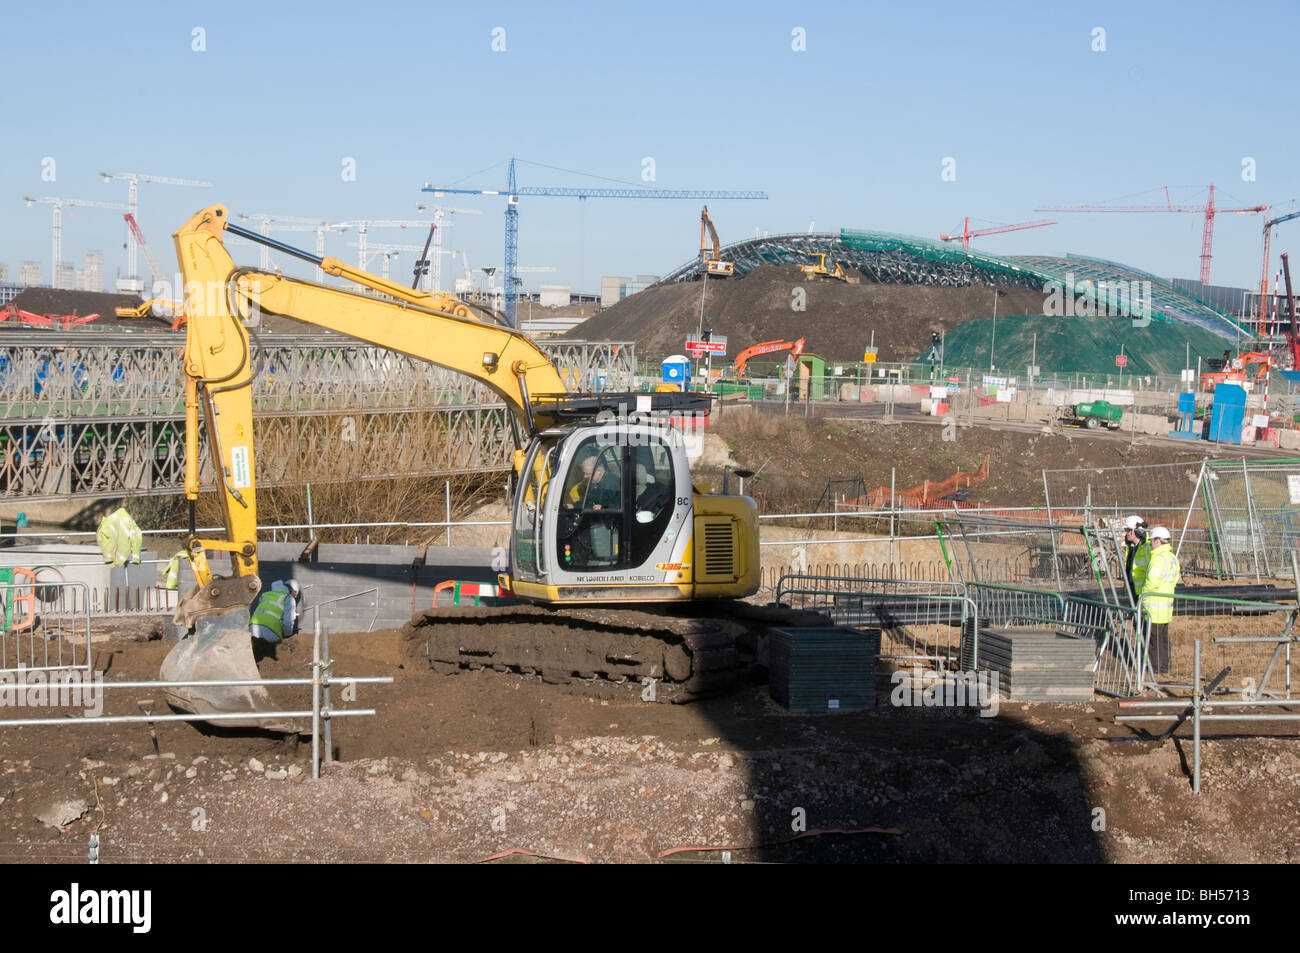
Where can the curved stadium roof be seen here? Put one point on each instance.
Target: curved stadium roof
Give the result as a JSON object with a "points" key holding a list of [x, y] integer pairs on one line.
{"points": [[905, 259]]}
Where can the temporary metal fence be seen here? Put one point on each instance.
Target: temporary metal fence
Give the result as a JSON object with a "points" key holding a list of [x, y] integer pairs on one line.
{"points": [[1253, 512], [1250, 637], [921, 621], [321, 711], [44, 626], [1204, 706]]}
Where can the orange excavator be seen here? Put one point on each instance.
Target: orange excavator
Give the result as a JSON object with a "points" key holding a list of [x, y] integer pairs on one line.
{"points": [[711, 258], [1247, 368], [767, 347]]}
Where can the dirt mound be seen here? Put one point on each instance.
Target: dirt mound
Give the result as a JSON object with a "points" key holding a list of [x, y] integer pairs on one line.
{"points": [[837, 321], [80, 303]]}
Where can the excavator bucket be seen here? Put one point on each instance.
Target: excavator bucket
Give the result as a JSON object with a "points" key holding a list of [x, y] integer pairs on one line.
{"points": [[220, 648]]}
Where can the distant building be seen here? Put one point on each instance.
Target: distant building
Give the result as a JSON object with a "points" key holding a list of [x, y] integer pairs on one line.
{"points": [[65, 277], [1227, 299], [614, 288], [8, 292], [4, 274], [554, 296], [30, 274], [92, 275]]}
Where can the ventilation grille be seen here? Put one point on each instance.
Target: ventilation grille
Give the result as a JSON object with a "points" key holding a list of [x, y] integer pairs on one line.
{"points": [[719, 549]]}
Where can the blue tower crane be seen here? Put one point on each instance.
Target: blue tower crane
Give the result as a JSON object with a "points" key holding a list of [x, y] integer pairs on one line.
{"points": [[513, 191]]}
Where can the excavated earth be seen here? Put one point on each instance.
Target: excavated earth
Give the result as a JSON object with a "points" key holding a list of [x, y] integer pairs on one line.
{"points": [[836, 322], [486, 765]]}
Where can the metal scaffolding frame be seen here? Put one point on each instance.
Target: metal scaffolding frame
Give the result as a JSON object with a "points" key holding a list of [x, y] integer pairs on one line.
{"points": [[91, 415]]}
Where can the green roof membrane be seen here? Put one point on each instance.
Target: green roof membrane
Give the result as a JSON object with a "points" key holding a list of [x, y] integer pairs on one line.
{"points": [[1085, 275]]}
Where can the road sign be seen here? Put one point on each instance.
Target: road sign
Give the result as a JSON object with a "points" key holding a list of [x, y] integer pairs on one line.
{"points": [[717, 344], [869, 356], [1121, 360]]}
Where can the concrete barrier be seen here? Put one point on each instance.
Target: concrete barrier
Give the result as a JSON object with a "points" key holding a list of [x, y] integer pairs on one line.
{"points": [[343, 569]]}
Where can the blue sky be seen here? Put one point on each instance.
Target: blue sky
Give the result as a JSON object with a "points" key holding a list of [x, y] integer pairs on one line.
{"points": [[850, 132]]}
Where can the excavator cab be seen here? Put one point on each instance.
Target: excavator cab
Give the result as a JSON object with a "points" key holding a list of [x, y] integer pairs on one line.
{"points": [[608, 514]]}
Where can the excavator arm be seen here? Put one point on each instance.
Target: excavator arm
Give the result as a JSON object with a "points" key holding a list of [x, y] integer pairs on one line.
{"points": [[766, 347], [223, 300], [706, 231]]}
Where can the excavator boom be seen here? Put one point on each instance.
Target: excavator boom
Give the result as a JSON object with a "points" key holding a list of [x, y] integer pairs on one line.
{"points": [[221, 298]]}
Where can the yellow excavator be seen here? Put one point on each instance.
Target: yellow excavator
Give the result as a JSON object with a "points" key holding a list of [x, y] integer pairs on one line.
{"points": [[622, 567], [711, 257], [170, 311]]}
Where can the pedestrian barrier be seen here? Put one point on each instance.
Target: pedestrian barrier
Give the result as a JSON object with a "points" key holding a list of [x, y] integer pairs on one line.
{"points": [[52, 630], [921, 620]]}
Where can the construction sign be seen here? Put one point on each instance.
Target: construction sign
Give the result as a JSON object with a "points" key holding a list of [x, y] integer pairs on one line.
{"points": [[716, 344], [1121, 360]]}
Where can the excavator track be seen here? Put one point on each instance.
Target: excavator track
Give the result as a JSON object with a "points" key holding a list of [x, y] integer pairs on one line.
{"points": [[680, 654]]}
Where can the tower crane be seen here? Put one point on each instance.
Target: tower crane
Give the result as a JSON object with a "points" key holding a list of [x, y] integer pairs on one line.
{"points": [[1263, 281], [512, 192], [132, 282], [363, 226], [287, 223], [58, 204], [433, 281], [1207, 232], [966, 234], [388, 251]]}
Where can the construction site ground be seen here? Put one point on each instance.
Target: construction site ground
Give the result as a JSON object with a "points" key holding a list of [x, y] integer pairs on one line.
{"points": [[469, 767], [796, 457]]}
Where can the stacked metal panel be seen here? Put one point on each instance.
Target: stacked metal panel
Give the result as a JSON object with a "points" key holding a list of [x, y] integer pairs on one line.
{"points": [[822, 669], [1038, 664]]}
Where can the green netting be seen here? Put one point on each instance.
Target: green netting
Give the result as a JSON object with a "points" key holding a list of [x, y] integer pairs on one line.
{"points": [[1077, 271]]}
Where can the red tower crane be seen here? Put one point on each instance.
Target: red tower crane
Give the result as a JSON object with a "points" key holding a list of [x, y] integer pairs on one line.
{"points": [[966, 234], [1209, 211]]}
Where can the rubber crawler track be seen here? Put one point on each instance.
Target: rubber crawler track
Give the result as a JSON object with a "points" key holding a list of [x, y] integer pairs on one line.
{"points": [[689, 652]]}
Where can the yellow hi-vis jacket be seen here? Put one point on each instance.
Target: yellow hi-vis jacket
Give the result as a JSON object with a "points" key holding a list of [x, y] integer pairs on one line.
{"points": [[1162, 575], [119, 538], [1141, 560], [174, 570]]}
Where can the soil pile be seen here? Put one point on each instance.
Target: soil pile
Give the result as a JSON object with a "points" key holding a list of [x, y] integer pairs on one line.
{"points": [[837, 320]]}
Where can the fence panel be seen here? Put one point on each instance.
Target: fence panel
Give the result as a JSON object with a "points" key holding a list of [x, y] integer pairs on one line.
{"points": [[921, 620], [44, 626]]}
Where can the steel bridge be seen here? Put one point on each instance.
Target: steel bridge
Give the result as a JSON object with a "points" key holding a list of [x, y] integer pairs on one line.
{"points": [[92, 415]]}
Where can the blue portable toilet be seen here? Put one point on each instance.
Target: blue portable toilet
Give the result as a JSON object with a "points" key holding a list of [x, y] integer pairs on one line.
{"points": [[1228, 413], [677, 370]]}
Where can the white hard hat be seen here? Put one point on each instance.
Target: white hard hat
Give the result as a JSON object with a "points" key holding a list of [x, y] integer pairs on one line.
{"points": [[1159, 532], [294, 589], [1133, 522]]}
